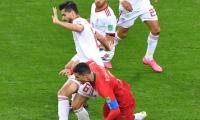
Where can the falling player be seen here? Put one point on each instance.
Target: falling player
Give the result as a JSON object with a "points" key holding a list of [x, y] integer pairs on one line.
{"points": [[119, 102]]}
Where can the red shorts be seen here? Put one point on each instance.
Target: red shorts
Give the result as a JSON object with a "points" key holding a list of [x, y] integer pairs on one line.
{"points": [[126, 103]]}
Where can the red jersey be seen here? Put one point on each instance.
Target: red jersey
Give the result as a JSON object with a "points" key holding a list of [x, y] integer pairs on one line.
{"points": [[111, 88]]}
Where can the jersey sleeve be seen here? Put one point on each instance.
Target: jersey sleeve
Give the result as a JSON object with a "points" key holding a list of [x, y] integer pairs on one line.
{"points": [[105, 89], [79, 21], [92, 9], [106, 92], [111, 25], [75, 58]]}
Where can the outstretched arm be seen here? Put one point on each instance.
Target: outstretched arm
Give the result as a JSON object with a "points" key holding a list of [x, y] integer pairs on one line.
{"points": [[70, 26]]}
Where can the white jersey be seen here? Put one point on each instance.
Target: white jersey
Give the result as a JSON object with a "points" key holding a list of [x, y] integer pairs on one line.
{"points": [[85, 43], [104, 22], [138, 5]]}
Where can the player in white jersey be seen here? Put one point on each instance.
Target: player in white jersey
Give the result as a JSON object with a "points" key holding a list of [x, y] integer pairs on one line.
{"points": [[130, 10], [86, 49], [103, 20]]}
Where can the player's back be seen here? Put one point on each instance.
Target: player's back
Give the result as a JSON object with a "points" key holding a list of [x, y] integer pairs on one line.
{"points": [[106, 83], [85, 42]]}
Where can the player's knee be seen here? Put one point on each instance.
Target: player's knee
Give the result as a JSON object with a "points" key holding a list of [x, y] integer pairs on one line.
{"points": [[75, 106], [60, 93], [155, 31], [123, 34]]}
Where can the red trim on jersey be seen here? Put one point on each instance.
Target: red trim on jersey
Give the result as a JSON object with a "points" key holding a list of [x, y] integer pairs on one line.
{"points": [[107, 12], [101, 9], [111, 34]]}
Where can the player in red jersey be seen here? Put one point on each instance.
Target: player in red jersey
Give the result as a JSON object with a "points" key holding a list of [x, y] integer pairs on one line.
{"points": [[119, 101]]}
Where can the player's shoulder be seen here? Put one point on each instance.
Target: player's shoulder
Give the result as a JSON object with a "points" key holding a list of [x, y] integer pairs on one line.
{"points": [[79, 20], [109, 12]]}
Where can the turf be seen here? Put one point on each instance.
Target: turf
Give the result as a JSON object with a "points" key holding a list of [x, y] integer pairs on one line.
{"points": [[33, 50]]}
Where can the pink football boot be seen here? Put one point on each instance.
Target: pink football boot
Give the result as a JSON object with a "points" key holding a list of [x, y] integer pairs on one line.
{"points": [[153, 65]]}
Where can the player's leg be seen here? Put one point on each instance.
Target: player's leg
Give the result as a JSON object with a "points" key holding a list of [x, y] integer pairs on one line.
{"points": [[151, 20], [77, 106], [106, 110], [125, 21], [152, 38], [66, 90], [85, 91], [122, 32]]}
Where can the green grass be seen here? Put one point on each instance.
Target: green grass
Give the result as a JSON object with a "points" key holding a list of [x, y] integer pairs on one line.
{"points": [[33, 50]]}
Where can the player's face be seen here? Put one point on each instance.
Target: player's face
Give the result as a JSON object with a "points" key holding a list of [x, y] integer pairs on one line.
{"points": [[81, 78], [66, 16], [100, 3]]}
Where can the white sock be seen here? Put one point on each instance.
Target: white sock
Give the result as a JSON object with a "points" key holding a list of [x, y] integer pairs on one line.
{"points": [[152, 43], [63, 107], [82, 114]]}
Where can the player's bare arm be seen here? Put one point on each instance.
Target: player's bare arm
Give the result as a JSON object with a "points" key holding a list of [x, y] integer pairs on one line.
{"points": [[127, 5], [68, 68], [107, 44], [70, 26]]}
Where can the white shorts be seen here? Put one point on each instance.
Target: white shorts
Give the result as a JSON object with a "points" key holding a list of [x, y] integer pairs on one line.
{"points": [[87, 90], [127, 19], [107, 56], [84, 89]]}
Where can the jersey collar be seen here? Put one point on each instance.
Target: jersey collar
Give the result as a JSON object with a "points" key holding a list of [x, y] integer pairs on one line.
{"points": [[101, 9]]}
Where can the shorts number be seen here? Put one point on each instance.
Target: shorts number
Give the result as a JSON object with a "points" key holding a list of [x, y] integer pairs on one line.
{"points": [[86, 87], [152, 12]]}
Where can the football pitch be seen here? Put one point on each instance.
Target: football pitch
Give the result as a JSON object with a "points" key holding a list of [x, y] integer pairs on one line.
{"points": [[33, 50]]}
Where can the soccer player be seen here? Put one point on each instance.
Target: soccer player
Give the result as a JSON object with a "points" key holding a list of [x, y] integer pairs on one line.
{"points": [[119, 101], [86, 49], [130, 10], [103, 20]]}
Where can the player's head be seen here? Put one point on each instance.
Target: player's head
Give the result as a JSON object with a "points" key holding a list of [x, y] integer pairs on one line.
{"points": [[101, 3], [82, 72], [68, 10]]}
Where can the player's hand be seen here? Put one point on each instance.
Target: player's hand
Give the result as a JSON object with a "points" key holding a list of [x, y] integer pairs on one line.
{"points": [[65, 72], [55, 16], [127, 5]]}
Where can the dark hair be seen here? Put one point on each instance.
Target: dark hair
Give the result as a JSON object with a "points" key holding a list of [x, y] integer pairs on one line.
{"points": [[69, 6], [82, 69]]}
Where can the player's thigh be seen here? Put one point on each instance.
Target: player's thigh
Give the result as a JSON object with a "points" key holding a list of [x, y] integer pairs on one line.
{"points": [[126, 20], [150, 17], [68, 88], [78, 101]]}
